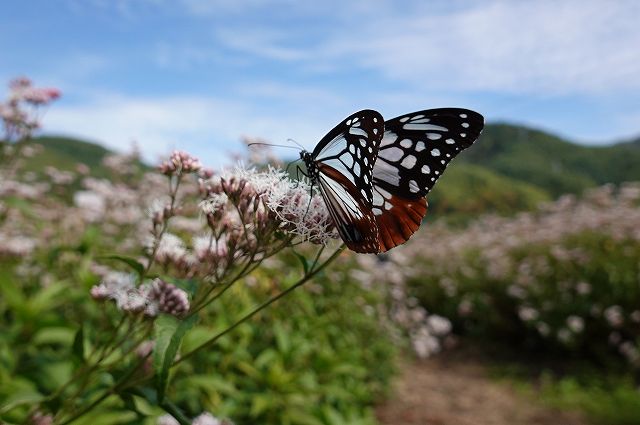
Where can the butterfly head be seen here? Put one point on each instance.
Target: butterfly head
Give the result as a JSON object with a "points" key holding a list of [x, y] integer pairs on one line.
{"points": [[310, 164]]}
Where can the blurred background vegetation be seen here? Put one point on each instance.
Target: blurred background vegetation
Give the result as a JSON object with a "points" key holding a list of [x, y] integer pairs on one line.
{"points": [[516, 303], [566, 333]]}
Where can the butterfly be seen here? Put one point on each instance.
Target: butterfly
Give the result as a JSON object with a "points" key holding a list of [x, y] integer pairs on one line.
{"points": [[373, 175]]}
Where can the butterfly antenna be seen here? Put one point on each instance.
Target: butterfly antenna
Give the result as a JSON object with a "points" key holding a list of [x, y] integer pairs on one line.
{"points": [[291, 140], [271, 144]]}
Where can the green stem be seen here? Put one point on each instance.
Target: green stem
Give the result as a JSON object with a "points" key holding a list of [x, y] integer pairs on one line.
{"points": [[246, 270], [260, 307], [174, 411], [125, 379], [173, 193], [113, 390], [99, 367]]}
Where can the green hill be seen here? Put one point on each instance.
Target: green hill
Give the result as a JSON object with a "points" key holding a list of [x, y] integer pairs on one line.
{"points": [[467, 190], [551, 163], [65, 154], [512, 168]]}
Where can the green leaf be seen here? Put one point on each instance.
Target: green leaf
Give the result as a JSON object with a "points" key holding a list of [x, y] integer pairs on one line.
{"points": [[22, 392], [54, 373], [169, 333], [196, 337], [211, 383], [129, 402], [12, 294], [176, 412], [303, 261], [302, 417], [107, 417], [78, 344], [282, 337], [248, 369], [134, 264], [260, 403], [266, 357], [149, 394], [53, 335], [48, 298], [332, 416]]}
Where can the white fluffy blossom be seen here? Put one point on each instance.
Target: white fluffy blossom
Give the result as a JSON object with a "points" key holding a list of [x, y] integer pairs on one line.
{"points": [[543, 329], [297, 211], [564, 335], [527, 314], [439, 325], [16, 245], [214, 203], [167, 420], [575, 323], [614, 316], [92, 204], [149, 298], [206, 419], [171, 249], [424, 343], [113, 283]]}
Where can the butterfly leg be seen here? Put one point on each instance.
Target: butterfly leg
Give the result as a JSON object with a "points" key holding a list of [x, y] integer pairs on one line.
{"points": [[290, 164], [309, 204], [299, 171]]}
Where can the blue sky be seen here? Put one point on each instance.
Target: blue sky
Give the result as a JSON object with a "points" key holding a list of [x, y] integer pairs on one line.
{"points": [[199, 74]]}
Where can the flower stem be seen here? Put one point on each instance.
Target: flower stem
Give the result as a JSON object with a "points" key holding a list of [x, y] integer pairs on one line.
{"points": [[265, 304], [112, 391], [173, 194]]}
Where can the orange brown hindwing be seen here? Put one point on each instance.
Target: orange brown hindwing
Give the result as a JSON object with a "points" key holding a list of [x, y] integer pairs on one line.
{"points": [[360, 234], [400, 222]]}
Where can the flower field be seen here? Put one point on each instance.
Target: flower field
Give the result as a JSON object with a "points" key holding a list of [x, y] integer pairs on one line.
{"points": [[183, 294], [564, 278]]}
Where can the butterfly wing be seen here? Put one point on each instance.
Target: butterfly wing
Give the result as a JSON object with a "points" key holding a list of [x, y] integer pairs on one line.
{"points": [[415, 150], [345, 158]]}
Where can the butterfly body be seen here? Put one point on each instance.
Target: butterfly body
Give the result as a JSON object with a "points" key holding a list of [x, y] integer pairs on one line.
{"points": [[341, 166], [373, 175]]}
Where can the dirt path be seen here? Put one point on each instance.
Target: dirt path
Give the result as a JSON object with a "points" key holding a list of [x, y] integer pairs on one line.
{"points": [[451, 390]]}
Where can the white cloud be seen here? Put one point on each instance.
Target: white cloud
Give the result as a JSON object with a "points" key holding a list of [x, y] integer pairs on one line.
{"points": [[268, 43], [157, 125], [290, 94], [543, 47], [203, 126], [515, 46], [499, 57]]}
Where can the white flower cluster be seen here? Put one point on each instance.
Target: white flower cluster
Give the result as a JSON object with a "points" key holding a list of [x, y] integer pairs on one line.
{"points": [[428, 333], [292, 201], [103, 200], [531, 268], [150, 298], [180, 162], [19, 114], [296, 211], [16, 245]]}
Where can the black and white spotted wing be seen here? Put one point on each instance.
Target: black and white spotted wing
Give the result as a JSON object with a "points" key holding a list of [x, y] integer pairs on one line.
{"points": [[341, 166], [415, 150]]}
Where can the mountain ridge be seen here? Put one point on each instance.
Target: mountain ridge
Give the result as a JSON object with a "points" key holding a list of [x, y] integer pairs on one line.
{"points": [[511, 168]]}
